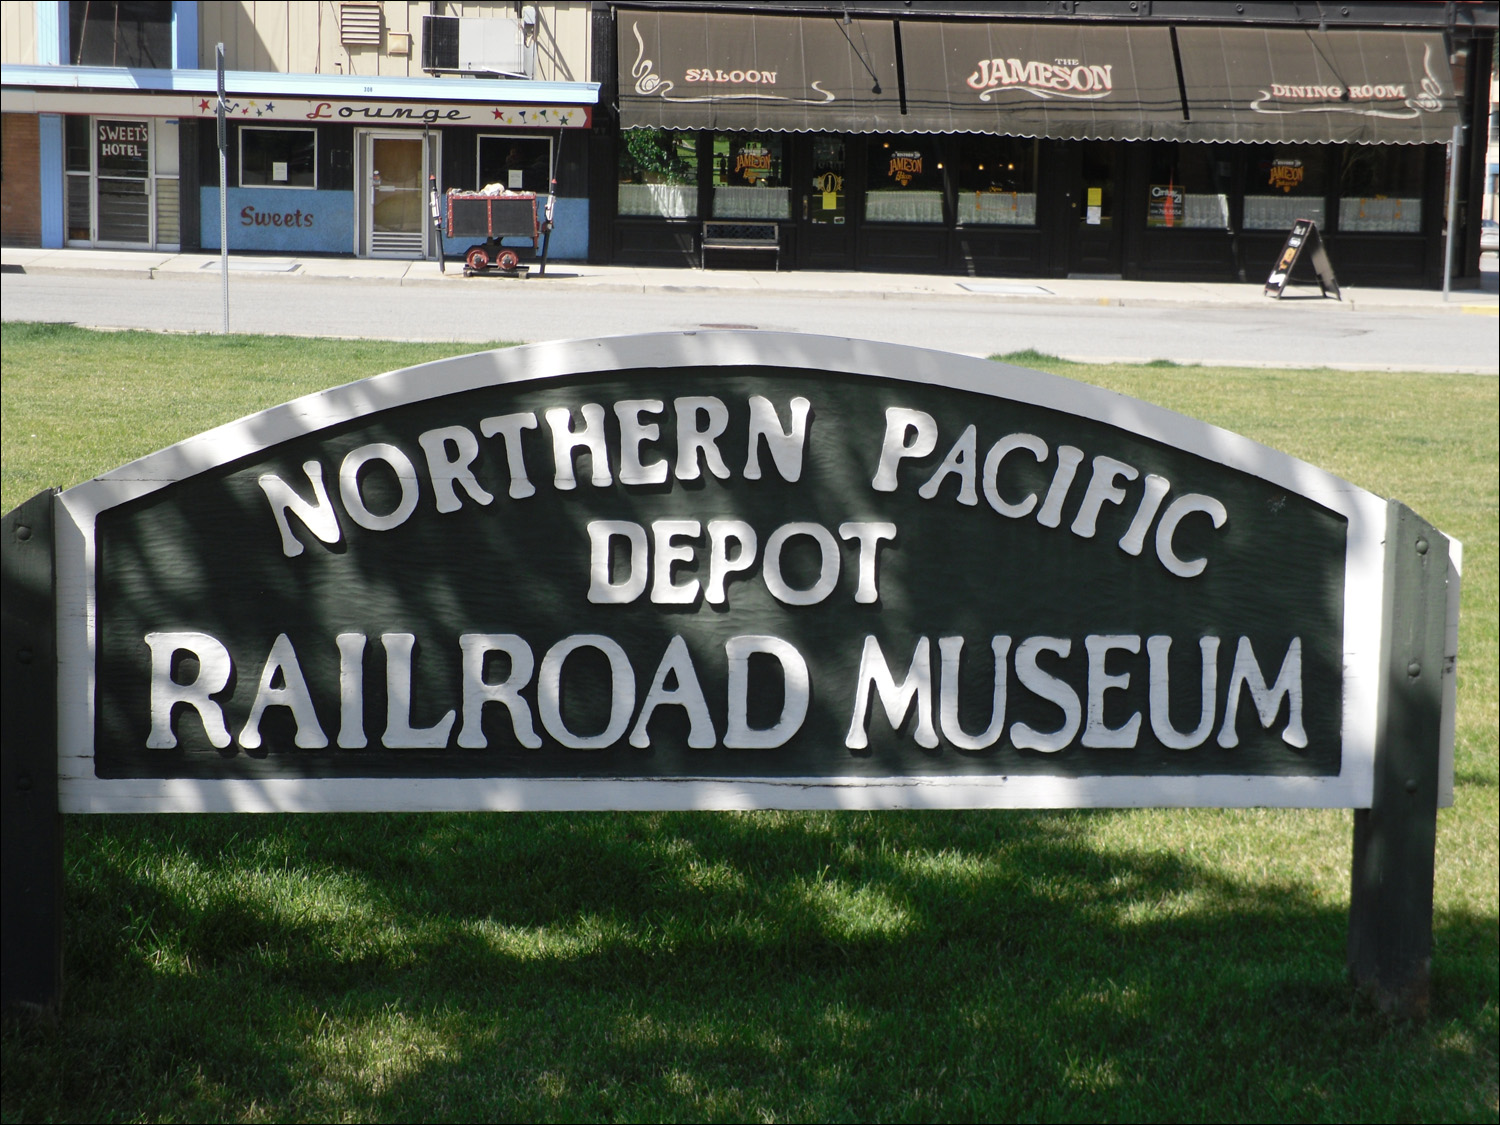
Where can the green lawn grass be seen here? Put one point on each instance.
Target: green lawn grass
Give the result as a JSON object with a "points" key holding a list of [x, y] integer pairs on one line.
{"points": [[843, 966]]}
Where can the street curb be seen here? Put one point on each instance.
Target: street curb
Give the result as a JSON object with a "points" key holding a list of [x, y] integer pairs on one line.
{"points": [[1350, 304], [144, 274]]}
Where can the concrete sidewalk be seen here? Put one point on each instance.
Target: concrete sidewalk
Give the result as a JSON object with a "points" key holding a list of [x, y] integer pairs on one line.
{"points": [[634, 279]]}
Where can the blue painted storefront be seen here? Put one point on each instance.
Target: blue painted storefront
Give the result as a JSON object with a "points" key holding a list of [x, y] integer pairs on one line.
{"points": [[286, 221], [280, 219]]}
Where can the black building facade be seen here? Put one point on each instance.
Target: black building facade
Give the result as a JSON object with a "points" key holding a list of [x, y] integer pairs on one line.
{"points": [[1156, 141]]}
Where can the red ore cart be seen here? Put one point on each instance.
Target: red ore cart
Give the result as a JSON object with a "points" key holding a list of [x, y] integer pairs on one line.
{"points": [[492, 217]]}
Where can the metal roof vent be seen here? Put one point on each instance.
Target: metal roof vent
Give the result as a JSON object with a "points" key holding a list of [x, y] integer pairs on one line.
{"points": [[359, 25]]}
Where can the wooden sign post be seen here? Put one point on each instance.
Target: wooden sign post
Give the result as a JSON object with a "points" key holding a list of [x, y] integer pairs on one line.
{"points": [[740, 571]]}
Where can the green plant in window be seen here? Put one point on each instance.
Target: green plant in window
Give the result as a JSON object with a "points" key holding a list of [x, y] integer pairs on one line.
{"points": [[656, 156]]}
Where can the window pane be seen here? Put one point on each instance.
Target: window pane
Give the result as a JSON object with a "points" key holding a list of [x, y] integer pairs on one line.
{"points": [[997, 181], [168, 213], [124, 211], [515, 163], [1189, 187], [120, 34], [123, 147], [78, 139], [167, 147], [80, 194], [1380, 188], [659, 173], [905, 182], [400, 194], [278, 158], [828, 200], [750, 177], [1097, 165], [1284, 183]]}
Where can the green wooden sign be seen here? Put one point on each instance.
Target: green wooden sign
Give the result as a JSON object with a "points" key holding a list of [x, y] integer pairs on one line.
{"points": [[728, 570]]}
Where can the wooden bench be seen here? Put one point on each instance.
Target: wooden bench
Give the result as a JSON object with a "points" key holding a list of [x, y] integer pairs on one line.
{"points": [[740, 235]]}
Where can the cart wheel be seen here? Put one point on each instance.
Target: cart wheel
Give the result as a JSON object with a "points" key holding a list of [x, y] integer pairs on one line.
{"points": [[476, 259], [508, 260]]}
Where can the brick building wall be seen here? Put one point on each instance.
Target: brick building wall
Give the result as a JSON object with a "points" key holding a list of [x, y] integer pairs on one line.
{"points": [[20, 181]]}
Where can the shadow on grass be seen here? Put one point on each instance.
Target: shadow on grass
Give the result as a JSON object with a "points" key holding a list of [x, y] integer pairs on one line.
{"points": [[831, 966]]}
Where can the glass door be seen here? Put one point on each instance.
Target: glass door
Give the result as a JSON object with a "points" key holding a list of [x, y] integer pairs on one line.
{"points": [[825, 227], [395, 196], [122, 184], [1093, 215]]}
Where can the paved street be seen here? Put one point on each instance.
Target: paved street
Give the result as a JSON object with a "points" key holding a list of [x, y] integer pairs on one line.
{"points": [[1077, 319]]}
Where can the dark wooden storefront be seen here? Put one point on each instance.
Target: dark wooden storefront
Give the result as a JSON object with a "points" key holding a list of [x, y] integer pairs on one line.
{"points": [[1062, 243], [1095, 210]]}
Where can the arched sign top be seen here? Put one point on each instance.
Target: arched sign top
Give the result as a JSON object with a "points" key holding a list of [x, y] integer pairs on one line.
{"points": [[717, 569], [711, 349]]}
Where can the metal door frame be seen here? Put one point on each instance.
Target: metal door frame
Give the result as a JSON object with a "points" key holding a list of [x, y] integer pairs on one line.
{"points": [[364, 211], [94, 241]]}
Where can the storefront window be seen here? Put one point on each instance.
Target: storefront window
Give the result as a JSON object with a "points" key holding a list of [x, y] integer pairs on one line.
{"points": [[659, 173], [278, 158], [1284, 183], [750, 177], [134, 34], [905, 182], [1380, 188], [516, 163], [1189, 187], [168, 195], [78, 137], [997, 181]]}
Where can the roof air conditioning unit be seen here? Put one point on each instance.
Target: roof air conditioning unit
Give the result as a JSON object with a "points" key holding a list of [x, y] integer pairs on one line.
{"points": [[440, 42], [495, 47]]}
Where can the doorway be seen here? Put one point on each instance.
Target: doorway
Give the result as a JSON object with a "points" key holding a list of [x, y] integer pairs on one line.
{"points": [[392, 219], [821, 203], [1093, 220], [121, 183]]}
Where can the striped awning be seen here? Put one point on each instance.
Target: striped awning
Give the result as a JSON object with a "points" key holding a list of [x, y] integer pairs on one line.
{"points": [[1083, 81], [712, 70], [1365, 87], [1073, 81]]}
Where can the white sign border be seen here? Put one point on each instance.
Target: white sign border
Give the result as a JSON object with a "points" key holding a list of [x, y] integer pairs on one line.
{"points": [[78, 509]]}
